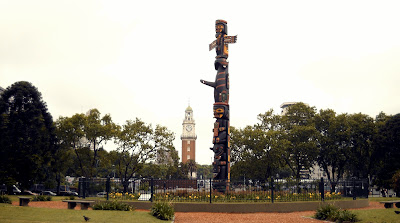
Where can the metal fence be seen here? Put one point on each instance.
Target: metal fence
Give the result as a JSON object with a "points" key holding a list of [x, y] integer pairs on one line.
{"points": [[271, 190]]}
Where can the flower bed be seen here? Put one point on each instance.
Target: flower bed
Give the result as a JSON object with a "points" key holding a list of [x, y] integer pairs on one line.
{"points": [[240, 196], [243, 196], [124, 196]]}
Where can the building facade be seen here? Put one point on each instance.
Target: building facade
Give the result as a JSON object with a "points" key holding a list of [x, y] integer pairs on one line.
{"points": [[285, 107], [188, 136]]}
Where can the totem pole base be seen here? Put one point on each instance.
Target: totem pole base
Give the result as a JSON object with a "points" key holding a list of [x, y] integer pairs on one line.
{"points": [[221, 185]]}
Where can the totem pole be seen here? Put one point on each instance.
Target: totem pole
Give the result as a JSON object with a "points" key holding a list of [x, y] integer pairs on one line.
{"points": [[221, 138]]}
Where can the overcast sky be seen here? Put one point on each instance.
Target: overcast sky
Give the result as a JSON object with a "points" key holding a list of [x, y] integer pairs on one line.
{"points": [[145, 58]]}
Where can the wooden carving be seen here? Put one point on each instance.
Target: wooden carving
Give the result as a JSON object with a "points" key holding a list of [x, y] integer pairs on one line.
{"points": [[221, 131]]}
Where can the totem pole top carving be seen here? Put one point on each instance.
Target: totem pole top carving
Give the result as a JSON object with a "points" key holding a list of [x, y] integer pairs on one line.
{"points": [[221, 83], [222, 41]]}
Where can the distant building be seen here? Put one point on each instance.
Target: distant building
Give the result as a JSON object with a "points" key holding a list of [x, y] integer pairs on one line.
{"points": [[285, 107], [188, 136]]}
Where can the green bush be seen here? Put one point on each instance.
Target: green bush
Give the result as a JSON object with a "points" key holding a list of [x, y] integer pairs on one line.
{"points": [[332, 213], [41, 198], [347, 216], [327, 212], [113, 205], [162, 210], [5, 199], [71, 197]]}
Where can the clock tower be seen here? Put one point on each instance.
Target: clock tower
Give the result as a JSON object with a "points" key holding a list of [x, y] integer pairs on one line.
{"points": [[188, 137]]}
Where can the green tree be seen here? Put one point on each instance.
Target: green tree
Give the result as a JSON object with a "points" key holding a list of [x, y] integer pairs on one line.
{"points": [[362, 151], [255, 153], [389, 145], [396, 182], [151, 170], [192, 167], [105, 164], [27, 137], [86, 135], [98, 130], [183, 171], [134, 149], [163, 144], [298, 138], [62, 161], [70, 132], [204, 171], [333, 144], [378, 158]]}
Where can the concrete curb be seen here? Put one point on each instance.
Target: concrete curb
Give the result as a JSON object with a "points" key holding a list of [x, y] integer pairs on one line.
{"points": [[282, 207]]}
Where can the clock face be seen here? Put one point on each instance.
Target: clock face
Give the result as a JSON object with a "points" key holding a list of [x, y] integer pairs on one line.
{"points": [[189, 128]]}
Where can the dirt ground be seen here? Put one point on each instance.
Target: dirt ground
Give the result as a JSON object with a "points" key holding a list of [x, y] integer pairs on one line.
{"points": [[199, 217]]}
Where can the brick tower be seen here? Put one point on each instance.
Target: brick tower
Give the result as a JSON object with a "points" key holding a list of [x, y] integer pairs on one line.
{"points": [[188, 136]]}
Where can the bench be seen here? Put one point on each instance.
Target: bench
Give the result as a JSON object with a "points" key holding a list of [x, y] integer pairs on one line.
{"points": [[84, 204], [389, 204], [24, 201]]}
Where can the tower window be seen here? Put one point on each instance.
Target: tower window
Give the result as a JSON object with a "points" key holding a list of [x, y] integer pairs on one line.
{"points": [[188, 142], [188, 148], [188, 157]]}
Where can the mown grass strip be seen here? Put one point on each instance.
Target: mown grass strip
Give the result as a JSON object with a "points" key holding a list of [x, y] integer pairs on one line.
{"points": [[17, 214]]}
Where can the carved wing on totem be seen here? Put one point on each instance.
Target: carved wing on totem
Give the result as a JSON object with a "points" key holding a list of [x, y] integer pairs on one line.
{"points": [[227, 39], [212, 45], [230, 39]]}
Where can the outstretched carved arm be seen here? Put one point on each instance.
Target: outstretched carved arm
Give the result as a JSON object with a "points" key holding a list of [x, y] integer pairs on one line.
{"points": [[211, 84]]}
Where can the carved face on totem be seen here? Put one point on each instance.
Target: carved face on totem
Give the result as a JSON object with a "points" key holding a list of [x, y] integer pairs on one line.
{"points": [[220, 27], [221, 111]]}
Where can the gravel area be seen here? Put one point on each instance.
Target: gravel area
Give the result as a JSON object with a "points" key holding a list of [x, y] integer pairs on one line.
{"points": [[199, 217]]}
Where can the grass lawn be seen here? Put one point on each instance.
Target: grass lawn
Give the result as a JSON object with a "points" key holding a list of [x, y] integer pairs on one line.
{"points": [[378, 215], [9, 213], [378, 199], [55, 198]]}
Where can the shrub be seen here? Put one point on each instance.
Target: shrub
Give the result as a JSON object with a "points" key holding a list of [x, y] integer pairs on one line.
{"points": [[113, 205], [71, 197], [5, 199], [162, 210], [347, 216], [41, 198], [327, 212], [396, 182], [332, 213]]}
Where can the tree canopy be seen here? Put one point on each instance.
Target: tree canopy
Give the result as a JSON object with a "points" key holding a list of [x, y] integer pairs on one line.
{"points": [[27, 136], [344, 145]]}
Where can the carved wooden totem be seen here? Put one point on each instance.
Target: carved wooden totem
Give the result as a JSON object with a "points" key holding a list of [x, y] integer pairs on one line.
{"points": [[221, 138]]}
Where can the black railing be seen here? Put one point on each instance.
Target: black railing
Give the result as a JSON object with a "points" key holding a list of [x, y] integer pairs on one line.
{"points": [[271, 190]]}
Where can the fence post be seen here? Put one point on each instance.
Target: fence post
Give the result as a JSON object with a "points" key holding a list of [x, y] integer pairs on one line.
{"points": [[152, 189], [322, 189], [210, 191], [80, 187], [354, 189], [108, 187], [84, 181], [272, 189]]}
